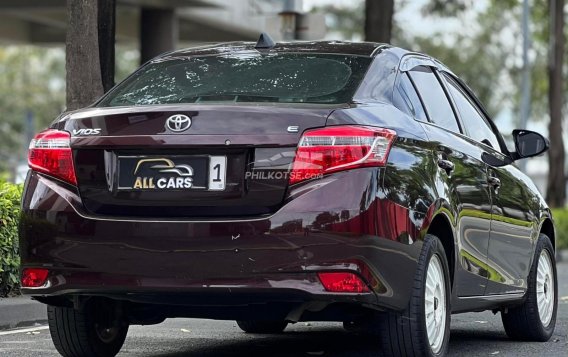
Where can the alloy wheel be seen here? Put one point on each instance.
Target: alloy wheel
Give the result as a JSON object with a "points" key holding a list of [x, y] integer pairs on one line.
{"points": [[545, 287], [435, 307]]}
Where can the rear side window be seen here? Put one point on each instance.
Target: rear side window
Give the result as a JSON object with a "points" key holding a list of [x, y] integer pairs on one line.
{"points": [[434, 98], [407, 100], [476, 126], [243, 77]]}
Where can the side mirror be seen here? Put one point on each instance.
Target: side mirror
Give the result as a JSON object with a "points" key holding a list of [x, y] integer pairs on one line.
{"points": [[528, 144]]}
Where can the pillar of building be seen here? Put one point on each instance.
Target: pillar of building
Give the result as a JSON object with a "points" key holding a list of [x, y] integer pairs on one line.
{"points": [[159, 32]]}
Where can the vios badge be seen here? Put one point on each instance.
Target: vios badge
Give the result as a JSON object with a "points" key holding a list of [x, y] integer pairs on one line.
{"points": [[178, 123]]}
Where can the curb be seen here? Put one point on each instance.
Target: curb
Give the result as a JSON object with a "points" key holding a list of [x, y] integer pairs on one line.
{"points": [[21, 311]]}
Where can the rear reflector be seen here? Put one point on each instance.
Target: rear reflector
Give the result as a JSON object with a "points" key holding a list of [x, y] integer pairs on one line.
{"points": [[34, 277], [337, 148], [342, 282], [51, 154]]}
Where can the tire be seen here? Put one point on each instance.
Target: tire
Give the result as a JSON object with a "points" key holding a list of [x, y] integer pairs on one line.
{"points": [[406, 333], [258, 326], [92, 331], [529, 322]]}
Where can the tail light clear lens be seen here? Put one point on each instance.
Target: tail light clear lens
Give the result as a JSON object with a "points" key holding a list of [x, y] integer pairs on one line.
{"points": [[337, 148], [50, 153]]}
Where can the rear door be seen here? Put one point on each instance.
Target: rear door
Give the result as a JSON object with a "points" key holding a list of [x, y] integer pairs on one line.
{"points": [[465, 178], [148, 161], [513, 220], [514, 230]]}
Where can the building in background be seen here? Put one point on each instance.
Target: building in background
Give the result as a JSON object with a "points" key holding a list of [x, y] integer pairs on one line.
{"points": [[161, 25], [154, 27]]}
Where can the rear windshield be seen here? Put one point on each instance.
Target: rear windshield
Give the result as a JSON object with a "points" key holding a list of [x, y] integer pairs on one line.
{"points": [[250, 77]]}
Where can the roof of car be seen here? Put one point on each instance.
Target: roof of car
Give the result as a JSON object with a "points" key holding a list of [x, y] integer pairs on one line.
{"points": [[368, 49]]}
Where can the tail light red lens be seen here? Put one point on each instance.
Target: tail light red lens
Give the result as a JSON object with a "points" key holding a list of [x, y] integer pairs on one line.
{"points": [[337, 148], [34, 277], [342, 282], [51, 154]]}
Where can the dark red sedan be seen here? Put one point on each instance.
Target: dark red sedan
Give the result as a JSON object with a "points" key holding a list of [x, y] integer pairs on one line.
{"points": [[271, 184]]}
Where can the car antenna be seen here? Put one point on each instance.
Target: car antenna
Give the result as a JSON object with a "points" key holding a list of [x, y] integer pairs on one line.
{"points": [[264, 42]]}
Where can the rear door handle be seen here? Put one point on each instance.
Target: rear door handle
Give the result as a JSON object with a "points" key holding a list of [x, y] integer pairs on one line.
{"points": [[494, 181], [447, 165]]}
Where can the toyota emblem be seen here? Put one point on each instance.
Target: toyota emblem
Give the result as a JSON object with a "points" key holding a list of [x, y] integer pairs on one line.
{"points": [[178, 123]]}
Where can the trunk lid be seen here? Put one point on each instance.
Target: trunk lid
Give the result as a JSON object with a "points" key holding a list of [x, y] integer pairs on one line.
{"points": [[231, 161]]}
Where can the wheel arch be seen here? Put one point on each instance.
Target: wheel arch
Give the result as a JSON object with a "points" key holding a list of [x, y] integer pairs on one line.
{"points": [[547, 227], [441, 227]]}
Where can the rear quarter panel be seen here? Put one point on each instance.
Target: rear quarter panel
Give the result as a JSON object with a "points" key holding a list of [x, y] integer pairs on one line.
{"points": [[410, 180]]}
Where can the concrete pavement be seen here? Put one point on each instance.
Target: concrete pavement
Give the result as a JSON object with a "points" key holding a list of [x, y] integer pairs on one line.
{"points": [[21, 311], [474, 334], [477, 334]]}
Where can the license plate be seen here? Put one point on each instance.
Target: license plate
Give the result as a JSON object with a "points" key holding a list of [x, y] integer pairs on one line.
{"points": [[174, 172]]}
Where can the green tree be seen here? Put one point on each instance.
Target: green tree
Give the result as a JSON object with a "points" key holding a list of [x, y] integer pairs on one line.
{"points": [[488, 55], [347, 21], [548, 91], [556, 188], [479, 65], [32, 81], [83, 62], [368, 19], [378, 20]]}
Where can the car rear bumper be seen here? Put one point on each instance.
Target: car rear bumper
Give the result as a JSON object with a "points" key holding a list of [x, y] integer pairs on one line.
{"points": [[339, 223]]}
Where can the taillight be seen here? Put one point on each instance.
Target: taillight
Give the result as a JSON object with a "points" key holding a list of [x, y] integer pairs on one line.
{"points": [[342, 282], [34, 277], [50, 153], [336, 148]]}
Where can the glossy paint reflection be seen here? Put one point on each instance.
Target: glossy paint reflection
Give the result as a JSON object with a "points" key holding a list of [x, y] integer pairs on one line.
{"points": [[514, 228], [317, 228]]}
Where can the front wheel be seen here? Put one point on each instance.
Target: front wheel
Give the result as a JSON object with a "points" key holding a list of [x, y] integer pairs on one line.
{"points": [[423, 329], [535, 319], [95, 330]]}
